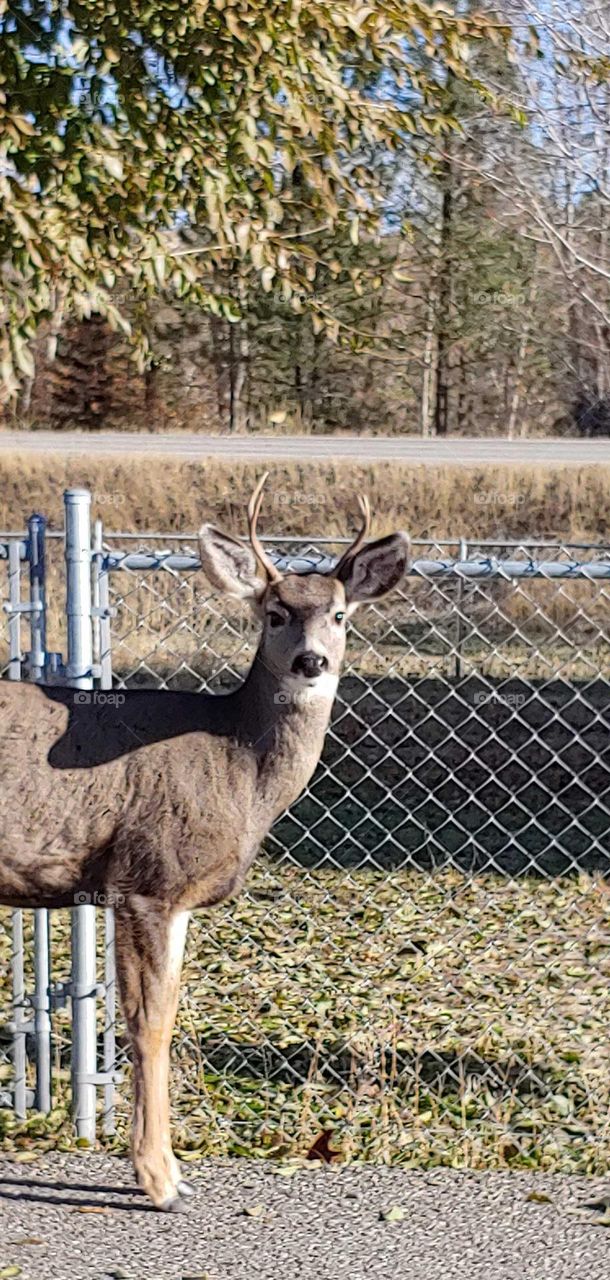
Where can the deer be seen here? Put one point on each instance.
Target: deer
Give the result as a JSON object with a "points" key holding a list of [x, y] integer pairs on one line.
{"points": [[158, 801]]}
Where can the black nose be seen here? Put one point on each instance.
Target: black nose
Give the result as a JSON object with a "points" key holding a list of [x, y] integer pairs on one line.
{"points": [[310, 664]]}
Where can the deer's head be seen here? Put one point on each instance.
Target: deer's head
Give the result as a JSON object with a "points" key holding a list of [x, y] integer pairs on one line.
{"points": [[304, 615]]}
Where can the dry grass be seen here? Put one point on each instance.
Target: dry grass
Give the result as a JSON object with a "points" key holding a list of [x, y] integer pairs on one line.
{"points": [[445, 502], [140, 495]]}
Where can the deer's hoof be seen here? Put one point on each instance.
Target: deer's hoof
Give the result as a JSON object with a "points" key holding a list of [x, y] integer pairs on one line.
{"points": [[186, 1189], [175, 1204]]}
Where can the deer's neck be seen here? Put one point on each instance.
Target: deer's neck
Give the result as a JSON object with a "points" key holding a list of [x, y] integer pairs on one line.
{"points": [[283, 723]]}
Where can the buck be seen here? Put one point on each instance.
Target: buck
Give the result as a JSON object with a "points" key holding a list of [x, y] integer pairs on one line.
{"points": [[159, 801]]}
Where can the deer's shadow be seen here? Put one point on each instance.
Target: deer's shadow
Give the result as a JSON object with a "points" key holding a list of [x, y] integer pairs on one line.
{"points": [[104, 726], [34, 1190]]}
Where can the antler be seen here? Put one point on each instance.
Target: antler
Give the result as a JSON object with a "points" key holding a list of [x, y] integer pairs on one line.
{"points": [[270, 571], [361, 536]]}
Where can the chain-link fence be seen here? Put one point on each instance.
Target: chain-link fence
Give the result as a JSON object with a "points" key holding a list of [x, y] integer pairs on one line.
{"points": [[416, 964], [25, 985], [418, 968]]}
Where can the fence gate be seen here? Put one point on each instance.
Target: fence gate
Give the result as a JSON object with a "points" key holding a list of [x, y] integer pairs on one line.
{"points": [[26, 1028], [22, 564]]}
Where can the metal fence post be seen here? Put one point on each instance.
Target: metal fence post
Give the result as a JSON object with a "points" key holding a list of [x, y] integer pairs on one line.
{"points": [[102, 611], [80, 676], [14, 612], [19, 1019], [36, 558], [463, 555], [110, 1071], [19, 1015], [41, 1001], [42, 954], [103, 661]]}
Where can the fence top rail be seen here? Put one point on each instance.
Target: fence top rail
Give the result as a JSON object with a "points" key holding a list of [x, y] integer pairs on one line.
{"points": [[486, 567], [323, 539], [15, 535], [337, 540]]}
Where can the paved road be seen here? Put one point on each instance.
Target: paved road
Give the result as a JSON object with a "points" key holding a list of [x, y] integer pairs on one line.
{"points": [[77, 1217], [312, 448]]}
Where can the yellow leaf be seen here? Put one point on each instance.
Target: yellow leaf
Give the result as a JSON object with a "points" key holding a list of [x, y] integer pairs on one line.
{"points": [[23, 125], [113, 165], [255, 1210]]}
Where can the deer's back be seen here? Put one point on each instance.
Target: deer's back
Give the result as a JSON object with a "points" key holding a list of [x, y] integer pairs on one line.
{"points": [[130, 794], [146, 792], [50, 818]]}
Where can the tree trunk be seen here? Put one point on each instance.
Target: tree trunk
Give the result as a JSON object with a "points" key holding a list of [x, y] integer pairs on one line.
{"points": [[430, 371], [445, 299], [515, 400]]}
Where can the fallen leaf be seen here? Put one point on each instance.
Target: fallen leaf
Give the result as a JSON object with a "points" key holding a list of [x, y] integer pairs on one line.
{"points": [[8, 1272], [538, 1197], [588, 1215], [26, 1240], [255, 1210], [321, 1149], [26, 1157], [393, 1214], [91, 1208]]}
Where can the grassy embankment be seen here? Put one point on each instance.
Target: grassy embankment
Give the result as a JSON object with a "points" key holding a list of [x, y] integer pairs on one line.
{"points": [[154, 493]]}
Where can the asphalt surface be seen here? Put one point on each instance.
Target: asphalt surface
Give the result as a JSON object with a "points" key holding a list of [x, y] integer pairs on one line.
{"points": [[77, 1216], [301, 448]]}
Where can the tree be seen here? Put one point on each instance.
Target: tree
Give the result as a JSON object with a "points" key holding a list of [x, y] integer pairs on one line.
{"points": [[125, 126], [552, 186]]}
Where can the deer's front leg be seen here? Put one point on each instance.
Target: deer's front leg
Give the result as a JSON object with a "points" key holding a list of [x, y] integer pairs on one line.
{"points": [[150, 946]]}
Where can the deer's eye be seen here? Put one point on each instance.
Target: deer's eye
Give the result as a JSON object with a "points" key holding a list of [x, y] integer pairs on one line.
{"points": [[276, 619], [339, 616]]}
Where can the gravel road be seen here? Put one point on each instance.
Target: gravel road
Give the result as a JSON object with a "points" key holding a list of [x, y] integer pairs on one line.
{"points": [[189, 446], [78, 1216]]}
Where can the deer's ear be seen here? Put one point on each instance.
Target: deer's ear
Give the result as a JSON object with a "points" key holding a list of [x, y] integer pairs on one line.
{"points": [[376, 569], [229, 564]]}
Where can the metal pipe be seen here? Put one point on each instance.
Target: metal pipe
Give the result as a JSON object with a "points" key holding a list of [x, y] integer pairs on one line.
{"points": [[109, 1124], [19, 1018], [79, 675], [42, 1009], [78, 588], [489, 567], [36, 557], [101, 590], [103, 658], [14, 611], [460, 614]]}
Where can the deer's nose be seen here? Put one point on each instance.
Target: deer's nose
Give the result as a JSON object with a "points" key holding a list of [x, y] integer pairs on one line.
{"points": [[309, 664]]}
